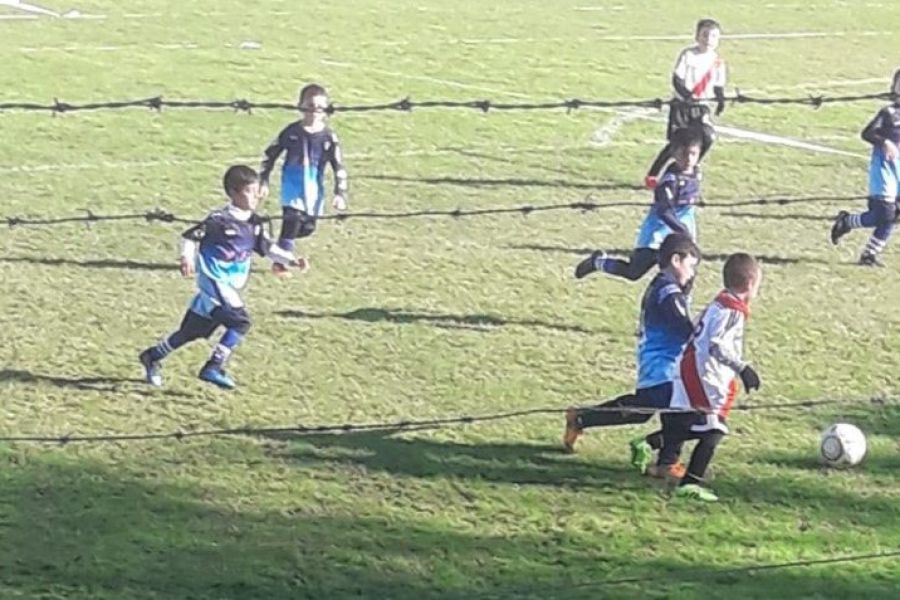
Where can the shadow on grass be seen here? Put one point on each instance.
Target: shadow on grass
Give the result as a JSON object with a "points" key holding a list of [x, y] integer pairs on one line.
{"points": [[95, 384], [622, 252], [106, 263], [474, 322]]}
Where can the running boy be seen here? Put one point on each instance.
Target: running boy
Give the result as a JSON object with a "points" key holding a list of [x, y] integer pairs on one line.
{"points": [[883, 132], [699, 76], [309, 145], [227, 238], [665, 328], [673, 211], [705, 382]]}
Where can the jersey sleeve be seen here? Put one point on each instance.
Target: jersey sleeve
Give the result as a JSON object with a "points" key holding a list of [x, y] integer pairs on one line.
{"points": [[664, 203], [725, 330], [341, 184], [876, 132], [673, 307], [270, 157]]}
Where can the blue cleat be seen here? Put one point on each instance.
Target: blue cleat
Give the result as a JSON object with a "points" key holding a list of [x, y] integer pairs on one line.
{"points": [[216, 376], [152, 368]]}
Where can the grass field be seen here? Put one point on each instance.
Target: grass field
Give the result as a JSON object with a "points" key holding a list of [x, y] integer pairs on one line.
{"points": [[430, 317]]}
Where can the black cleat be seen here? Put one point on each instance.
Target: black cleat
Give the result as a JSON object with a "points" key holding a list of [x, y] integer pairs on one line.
{"points": [[840, 227], [589, 265], [870, 260]]}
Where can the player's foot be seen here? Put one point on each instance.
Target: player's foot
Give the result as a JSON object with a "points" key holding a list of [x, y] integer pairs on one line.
{"points": [[280, 270], [572, 432], [841, 227], [650, 182], [675, 471], [152, 368], [870, 260], [590, 264], [695, 492], [216, 376], [641, 454]]}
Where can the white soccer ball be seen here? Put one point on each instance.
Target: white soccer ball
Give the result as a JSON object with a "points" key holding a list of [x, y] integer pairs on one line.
{"points": [[842, 446]]}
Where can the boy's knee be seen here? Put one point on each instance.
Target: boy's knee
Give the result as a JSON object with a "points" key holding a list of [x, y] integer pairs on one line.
{"points": [[237, 319], [307, 226]]}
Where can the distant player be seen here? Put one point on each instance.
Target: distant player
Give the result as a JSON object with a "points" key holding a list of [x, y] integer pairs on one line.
{"points": [[706, 377], [883, 132], [665, 328], [699, 77], [309, 146], [673, 211], [226, 239]]}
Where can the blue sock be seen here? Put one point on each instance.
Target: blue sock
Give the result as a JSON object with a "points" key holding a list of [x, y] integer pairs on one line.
{"points": [[286, 244], [222, 351], [168, 345]]}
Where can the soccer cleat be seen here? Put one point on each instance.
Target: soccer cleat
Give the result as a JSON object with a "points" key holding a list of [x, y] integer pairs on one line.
{"points": [[152, 368], [840, 227], [650, 182], [590, 264], [641, 454], [870, 260], [216, 376], [280, 270], [695, 492], [675, 471], [572, 432]]}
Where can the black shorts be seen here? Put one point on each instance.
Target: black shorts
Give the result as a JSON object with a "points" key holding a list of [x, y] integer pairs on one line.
{"points": [[686, 114], [196, 326]]}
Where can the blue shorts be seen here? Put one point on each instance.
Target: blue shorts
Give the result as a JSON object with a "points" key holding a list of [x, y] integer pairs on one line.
{"points": [[654, 230], [212, 295], [884, 176]]}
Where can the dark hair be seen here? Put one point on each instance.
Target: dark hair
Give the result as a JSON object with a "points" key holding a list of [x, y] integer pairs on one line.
{"points": [[707, 24], [310, 90], [739, 270], [679, 244], [687, 136], [237, 177]]}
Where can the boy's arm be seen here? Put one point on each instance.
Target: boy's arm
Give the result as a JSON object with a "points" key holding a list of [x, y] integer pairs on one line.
{"points": [[876, 131], [341, 185], [270, 156], [265, 247], [679, 74], [664, 201], [674, 308], [190, 239], [727, 325]]}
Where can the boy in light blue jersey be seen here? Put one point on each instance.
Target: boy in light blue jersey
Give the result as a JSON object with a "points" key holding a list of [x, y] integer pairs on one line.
{"points": [[309, 146], [883, 132], [665, 328], [218, 250]]}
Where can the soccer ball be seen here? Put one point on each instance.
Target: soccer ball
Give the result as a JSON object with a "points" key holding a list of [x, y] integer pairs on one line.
{"points": [[842, 446]]}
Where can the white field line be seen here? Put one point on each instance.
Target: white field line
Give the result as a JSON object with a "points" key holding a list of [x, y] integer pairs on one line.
{"points": [[745, 36]]}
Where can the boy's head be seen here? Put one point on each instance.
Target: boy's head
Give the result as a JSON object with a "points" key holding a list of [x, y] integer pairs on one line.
{"points": [[742, 275], [313, 104], [678, 256], [895, 86], [687, 144], [242, 187], [708, 33]]}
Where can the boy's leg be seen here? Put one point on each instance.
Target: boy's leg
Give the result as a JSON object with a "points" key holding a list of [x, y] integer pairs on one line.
{"points": [[193, 326], [237, 323], [604, 415], [676, 430], [678, 118], [701, 456], [640, 262]]}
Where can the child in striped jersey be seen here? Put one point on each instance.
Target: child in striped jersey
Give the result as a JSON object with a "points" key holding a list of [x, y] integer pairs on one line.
{"points": [[705, 383], [883, 132], [698, 77]]}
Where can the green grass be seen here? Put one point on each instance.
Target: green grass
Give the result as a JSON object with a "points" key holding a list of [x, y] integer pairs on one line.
{"points": [[425, 318]]}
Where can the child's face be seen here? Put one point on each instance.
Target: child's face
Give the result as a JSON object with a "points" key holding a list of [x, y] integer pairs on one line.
{"points": [[684, 268], [687, 157], [313, 109], [247, 198], [754, 286], [708, 38]]}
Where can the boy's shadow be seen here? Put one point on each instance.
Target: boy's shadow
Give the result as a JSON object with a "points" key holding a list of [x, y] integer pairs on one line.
{"points": [[96, 384], [515, 463]]}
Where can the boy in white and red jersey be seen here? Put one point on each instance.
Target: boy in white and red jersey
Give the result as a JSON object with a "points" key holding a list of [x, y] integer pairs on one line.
{"points": [[698, 78], [706, 378]]}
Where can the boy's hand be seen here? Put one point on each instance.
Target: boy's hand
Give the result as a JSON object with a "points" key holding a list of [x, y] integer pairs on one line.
{"points": [[263, 191], [750, 379], [301, 263], [186, 267], [339, 202], [890, 151]]}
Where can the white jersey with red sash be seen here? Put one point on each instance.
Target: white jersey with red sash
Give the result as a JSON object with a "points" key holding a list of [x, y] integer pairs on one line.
{"points": [[701, 72], [705, 380]]}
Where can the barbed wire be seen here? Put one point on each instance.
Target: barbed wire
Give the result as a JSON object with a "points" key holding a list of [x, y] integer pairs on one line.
{"points": [[164, 216], [405, 424], [158, 103]]}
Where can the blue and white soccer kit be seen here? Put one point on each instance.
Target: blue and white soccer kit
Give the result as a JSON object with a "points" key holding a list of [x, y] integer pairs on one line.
{"points": [[673, 210]]}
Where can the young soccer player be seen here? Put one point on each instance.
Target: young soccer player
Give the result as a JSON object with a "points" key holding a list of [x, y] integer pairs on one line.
{"points": [[665, 327], [699, 76], [883, 132], [673, 211], [309, 145], [226, 238], [705, 382]]}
